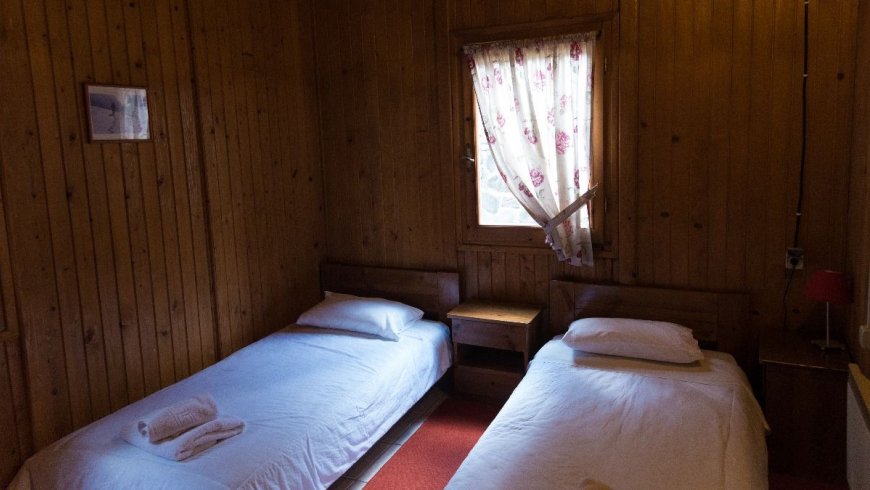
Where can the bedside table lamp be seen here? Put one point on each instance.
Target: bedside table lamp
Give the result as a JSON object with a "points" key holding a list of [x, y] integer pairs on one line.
{"points": [[830, 287]]}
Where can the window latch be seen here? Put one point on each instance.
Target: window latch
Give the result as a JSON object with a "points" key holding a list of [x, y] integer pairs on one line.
{"points": [[468, 156]]}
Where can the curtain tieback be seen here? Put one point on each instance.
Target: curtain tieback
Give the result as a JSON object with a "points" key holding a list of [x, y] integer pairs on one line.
{"points": [[570, 209]]}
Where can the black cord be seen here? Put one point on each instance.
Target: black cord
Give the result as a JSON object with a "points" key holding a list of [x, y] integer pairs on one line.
{"points": [[800, 200]]}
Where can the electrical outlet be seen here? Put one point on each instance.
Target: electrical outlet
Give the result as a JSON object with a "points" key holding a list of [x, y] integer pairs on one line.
{"points": [[864, 336], [794, 258]]}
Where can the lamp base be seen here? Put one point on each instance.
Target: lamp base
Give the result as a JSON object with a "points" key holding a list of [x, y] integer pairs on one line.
{"points": [[829, 344]]}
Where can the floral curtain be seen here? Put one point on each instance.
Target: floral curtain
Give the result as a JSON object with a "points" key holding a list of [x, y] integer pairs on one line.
{"points": [[535, 100]]}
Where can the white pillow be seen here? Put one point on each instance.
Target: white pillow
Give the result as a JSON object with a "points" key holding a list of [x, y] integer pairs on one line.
{"points": [[373, 316], [643, 339]]}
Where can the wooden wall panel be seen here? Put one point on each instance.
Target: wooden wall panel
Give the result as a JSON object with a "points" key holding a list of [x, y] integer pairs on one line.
{"points": [[9, 463], [258, 120], [28, 226], [113, 299], [14, 414], [709, 132], [388, 192], [859, 193], [719, 146], [130, 266]]}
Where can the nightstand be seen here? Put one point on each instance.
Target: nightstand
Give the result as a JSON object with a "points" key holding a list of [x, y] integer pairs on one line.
{"points": [[805, 405], [492, 344]]}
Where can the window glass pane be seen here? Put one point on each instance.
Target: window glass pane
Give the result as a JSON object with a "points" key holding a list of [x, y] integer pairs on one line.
{"points": [[496, 205]]}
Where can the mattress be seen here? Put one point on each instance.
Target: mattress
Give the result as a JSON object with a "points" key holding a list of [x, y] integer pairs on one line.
{"points": [[626, 423], [313, 400]]}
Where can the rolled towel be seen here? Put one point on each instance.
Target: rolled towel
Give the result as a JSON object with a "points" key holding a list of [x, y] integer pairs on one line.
{"points": [[177, 418], [189, 443]]}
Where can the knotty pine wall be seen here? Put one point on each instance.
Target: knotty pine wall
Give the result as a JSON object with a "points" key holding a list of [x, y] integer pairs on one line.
{"points": [[859, 215], [125, 267], [261, 151], [388, 185], [709, 131]]}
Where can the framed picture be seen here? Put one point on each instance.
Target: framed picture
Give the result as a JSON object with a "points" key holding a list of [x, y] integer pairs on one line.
{"points": [[117, 113]]}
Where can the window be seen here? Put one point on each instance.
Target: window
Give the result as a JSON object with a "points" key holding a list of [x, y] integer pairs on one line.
{"points": [[496, 206], [489, 214]]}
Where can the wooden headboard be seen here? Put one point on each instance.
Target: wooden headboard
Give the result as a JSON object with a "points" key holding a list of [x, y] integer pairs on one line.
{"points": [[719, 320], [434, 292]]}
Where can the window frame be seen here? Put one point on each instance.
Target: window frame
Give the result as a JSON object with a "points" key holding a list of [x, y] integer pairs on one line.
{"points": [[604, 144]]}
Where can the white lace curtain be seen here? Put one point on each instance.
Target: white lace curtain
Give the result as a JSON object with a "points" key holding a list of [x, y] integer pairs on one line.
{"points": [[535, 99]]}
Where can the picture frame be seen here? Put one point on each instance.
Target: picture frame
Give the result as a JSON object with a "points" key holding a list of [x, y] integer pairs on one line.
{"points": [[117, 113]]}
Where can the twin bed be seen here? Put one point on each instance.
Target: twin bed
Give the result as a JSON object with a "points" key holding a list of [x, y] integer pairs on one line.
{"points": [[627, 423], [314, 400]]}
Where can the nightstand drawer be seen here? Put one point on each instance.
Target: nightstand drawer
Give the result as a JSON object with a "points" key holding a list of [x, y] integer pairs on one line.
{"points": [[492, 345], [494, 335], [486, 382]]}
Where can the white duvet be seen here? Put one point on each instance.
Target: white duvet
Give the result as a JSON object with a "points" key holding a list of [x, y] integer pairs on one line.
{"points": [[313, 401], [629, 424]]}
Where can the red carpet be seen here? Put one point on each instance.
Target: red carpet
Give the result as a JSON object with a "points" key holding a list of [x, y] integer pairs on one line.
{"points": [[430, 457]]}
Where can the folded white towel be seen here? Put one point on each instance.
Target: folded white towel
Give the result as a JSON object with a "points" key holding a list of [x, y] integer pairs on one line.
{"points": [[177, 418], [189, 443]]}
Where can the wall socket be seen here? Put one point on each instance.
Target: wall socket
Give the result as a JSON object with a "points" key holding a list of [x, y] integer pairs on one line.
{"points": [[794, 258], [864, 336]]}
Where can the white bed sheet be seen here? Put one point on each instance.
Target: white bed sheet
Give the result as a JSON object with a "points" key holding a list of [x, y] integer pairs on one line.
{"points": [[313, 400], [627, 423]]}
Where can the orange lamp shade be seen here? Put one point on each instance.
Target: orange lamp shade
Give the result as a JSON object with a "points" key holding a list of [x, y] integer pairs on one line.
{"points": [[831, 286]]}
